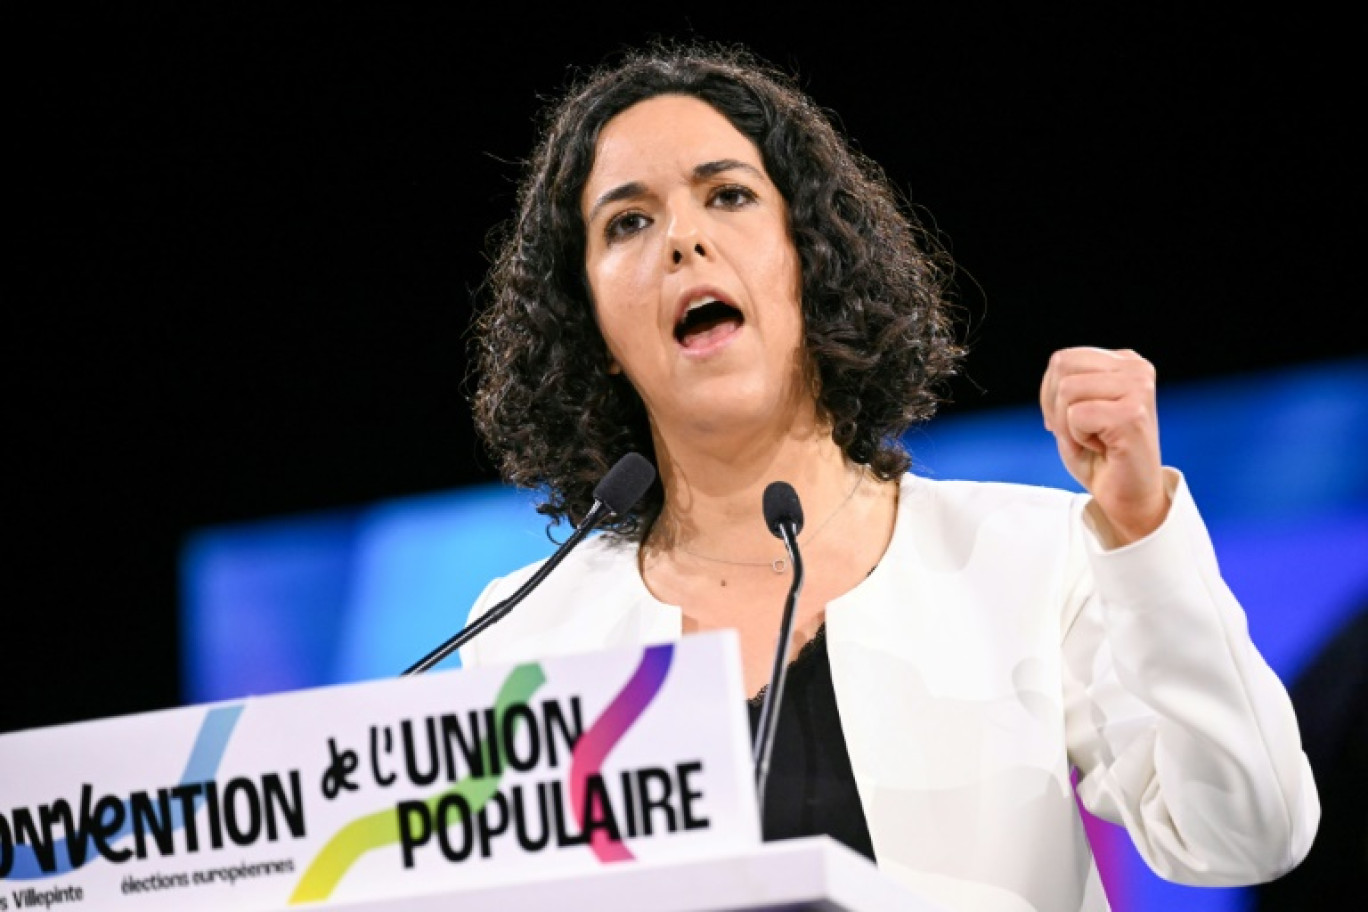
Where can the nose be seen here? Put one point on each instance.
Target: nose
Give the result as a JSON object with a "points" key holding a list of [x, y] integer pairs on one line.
{"points": [[685, 236], [677, 251]]}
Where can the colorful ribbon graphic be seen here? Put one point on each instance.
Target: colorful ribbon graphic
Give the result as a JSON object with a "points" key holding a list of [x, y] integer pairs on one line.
{"points": [[202, 766], [381, 828], [604, 735]]}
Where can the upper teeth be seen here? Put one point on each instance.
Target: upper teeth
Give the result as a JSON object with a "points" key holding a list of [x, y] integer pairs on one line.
{"points": [[699, 302]]}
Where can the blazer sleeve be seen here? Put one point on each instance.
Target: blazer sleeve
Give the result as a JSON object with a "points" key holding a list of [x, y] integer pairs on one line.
{"points": [[1177, 726]]}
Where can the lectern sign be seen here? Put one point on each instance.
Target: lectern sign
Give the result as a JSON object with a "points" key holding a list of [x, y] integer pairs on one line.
{"points": [[385, 788]]}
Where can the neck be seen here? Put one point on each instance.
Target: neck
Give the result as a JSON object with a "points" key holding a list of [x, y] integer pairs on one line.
{"points": [[713, 493]]}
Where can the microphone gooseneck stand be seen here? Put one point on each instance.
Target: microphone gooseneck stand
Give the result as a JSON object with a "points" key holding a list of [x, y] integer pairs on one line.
{"points": [[784, 516], [620, 489]]}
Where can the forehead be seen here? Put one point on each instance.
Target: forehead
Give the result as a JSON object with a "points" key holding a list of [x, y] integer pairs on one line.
{"points": [[662, 137]]}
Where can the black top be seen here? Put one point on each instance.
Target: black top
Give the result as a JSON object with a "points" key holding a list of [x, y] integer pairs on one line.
{"points": [[811, 790]]}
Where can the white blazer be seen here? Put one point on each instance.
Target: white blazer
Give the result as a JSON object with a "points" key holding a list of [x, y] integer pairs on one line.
{"points": [[997, 647]]}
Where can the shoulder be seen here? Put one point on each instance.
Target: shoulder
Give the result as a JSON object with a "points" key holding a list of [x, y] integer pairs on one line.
{"points": [[568, 610], [950, 523], [919, 495], [597, 560]]}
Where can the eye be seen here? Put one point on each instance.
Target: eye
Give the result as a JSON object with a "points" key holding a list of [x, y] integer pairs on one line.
{"points": [[732, 196], [624, 225]]}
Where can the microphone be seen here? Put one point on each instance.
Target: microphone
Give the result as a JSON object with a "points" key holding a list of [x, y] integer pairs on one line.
{"points": [[625, 484], [784, 517]]}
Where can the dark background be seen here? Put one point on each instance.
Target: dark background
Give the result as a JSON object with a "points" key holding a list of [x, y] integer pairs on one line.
{"points": [[248, 236]]}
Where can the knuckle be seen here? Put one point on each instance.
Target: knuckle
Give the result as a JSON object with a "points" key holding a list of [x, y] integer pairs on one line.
{"points": [[1066, 389]]}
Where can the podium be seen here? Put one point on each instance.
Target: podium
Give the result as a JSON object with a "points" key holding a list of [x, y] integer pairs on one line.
{"points": [[796, 875], [613, 780]]}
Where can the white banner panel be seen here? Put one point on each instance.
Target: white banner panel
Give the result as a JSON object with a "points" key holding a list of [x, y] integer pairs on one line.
{"points": [[387, 788]]}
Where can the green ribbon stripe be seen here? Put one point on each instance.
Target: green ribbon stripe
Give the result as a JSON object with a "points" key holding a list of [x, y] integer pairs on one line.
{"points": [[381, 829]]}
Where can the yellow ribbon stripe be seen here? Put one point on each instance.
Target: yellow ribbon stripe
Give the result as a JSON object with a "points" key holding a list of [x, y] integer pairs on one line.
{"points": [[381, 828]]}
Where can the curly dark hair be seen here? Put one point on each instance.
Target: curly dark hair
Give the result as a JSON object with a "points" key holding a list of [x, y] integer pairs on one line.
{"points": [[876, 305]]}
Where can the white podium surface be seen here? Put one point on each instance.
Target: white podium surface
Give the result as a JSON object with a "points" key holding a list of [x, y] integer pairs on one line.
{"points": [[618, 780], [814, 873], [359, 793]]}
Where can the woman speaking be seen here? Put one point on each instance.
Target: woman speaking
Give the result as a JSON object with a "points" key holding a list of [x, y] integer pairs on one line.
{"points": [[702, 270]]}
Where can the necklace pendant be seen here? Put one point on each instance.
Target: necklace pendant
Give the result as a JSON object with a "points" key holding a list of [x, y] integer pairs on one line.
{"points": [[779, 565]]}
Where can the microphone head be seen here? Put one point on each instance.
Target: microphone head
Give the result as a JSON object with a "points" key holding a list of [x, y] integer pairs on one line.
{"points": [[781, 506], [626, 483]]}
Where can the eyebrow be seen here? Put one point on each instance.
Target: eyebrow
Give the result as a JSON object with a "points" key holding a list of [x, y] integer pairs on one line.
{"points": [[714, 168], [703, 171]]}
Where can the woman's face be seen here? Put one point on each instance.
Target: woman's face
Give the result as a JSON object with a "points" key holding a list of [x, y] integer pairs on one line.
{"points": [[695, 280]]}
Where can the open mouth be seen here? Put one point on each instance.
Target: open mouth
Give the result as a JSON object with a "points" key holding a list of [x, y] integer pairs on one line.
{"points": [[705, 321]]}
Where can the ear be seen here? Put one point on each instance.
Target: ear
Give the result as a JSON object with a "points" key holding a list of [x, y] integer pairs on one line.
{"points": [[613, 367]]}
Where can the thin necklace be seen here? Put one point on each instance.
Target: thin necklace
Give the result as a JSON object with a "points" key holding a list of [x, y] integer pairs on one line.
{"points": [[780, 564]]}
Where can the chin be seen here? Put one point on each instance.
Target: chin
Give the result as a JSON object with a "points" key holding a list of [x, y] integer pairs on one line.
{"points": [[739, 412]]}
